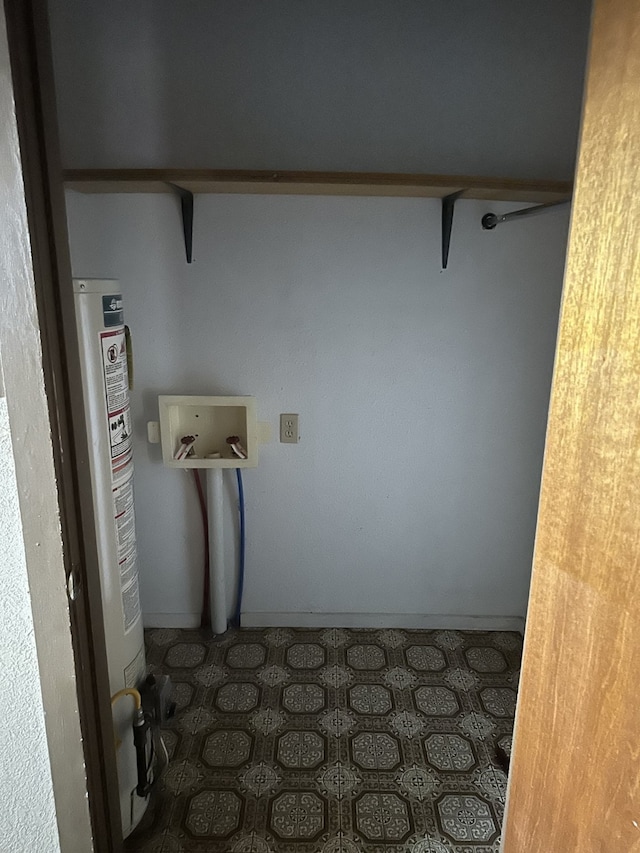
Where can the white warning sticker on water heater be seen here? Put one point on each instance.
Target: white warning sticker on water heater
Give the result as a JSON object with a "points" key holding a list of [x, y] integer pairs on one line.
{"points": [[116, 377], [125, 528], [116, 384]]}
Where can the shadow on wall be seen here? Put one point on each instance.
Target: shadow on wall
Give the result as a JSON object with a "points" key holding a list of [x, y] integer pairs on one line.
{"points": [[422, 395], [370, 85]]}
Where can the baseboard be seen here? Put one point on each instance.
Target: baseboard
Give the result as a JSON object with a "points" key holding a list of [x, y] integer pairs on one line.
{"points": [[382, 620], [347, 620], [171, 620]]}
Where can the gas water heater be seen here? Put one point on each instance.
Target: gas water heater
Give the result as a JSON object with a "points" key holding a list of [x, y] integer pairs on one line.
{"points": [[104, 360]]}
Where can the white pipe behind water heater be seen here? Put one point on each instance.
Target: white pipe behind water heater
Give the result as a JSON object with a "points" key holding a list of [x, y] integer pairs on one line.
{"points": [[217, 591]]}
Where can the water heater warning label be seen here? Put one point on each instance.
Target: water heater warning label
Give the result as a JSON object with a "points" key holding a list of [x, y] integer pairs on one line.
{"points": [[131, 604], [116, 376], [120, 432], [127, 550], [116, 386], [125, 518]]}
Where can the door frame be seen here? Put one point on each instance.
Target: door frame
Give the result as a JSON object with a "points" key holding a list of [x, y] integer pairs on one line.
{"points": [[37, 123], [34, 97], [575, 780]]}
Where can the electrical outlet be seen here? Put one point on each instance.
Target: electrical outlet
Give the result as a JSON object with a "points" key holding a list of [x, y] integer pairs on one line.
{"points": [[289, 429]]}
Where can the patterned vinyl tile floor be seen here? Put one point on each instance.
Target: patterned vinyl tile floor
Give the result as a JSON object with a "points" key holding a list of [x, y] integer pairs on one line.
{"points": [[333, 741]]}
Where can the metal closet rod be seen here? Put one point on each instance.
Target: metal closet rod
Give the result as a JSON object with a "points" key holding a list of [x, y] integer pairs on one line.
{"points": [[490, 220]]}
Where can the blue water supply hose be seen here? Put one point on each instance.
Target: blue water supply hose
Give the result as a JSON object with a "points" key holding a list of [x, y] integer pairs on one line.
{"points": [[238, 610]]}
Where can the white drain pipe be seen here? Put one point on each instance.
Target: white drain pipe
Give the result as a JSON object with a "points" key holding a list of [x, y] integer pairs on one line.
{"points": [[217, 592]]}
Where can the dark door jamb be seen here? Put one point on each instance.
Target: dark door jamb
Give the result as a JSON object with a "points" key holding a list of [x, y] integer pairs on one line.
{"points": [[32, 72]]}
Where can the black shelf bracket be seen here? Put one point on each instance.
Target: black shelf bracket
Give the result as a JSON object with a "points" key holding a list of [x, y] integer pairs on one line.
{"points": [[490, 220], [186, 206], [448, 205]]}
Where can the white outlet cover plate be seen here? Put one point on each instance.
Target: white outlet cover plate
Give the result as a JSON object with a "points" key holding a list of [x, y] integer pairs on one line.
{"points": [[289, 433]]}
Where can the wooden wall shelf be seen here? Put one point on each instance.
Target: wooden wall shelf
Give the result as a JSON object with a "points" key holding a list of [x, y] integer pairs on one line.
{"points": [[187, 182], [313, 183]]}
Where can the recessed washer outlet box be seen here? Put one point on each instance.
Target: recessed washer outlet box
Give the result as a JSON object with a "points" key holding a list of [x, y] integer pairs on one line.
{"points": [[211, 420]]}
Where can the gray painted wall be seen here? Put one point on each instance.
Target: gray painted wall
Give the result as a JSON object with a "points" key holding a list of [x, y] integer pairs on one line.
{"points": [[422, 396], [458, 87]]}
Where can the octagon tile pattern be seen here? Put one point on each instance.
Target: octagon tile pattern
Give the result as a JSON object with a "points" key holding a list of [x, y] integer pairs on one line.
{"points": [[182, 694], [305, 656], [303, 698], [466, 818], [300, 750], [370, 699], [246, 656], [436, 701], [366, 657], [332, 741], [375, 751], [499, 701], [213, 813], [485, 659], [227, 749], [426, 658], [449, 752], [298, 815], [382, 816], [185, 655], [237, 697]]}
